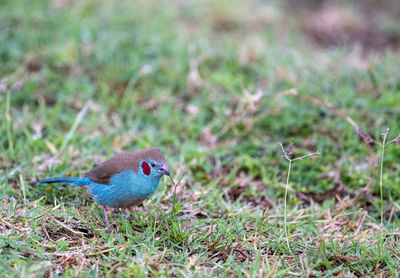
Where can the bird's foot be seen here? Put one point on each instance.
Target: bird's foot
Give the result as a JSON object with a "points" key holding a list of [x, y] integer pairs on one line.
{"points": [[132, 213], [108, 225]]}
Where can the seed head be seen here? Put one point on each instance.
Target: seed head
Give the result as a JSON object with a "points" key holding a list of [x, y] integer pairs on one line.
{"points": [[395, 140], [384, 134], [366, 138], [284, 154], [290, 149]]}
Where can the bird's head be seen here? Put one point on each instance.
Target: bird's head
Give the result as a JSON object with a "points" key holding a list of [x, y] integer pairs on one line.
{"points": [[150, 167], [152, 163]]}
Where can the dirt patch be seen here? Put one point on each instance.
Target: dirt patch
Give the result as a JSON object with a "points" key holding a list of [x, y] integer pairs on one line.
{"points": [[373, 25], [54, 234], [259, 201]]}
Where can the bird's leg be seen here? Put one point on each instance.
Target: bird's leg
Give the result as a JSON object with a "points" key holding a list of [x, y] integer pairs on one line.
{"points": [[126, 212], [130, 212], [106, 217], [136, 211]]}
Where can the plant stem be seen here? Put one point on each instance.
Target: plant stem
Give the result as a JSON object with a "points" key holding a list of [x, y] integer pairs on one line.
{"points": [[175, 186], [285, 207], [9, 124], [75, 125], [381, 193], [23, 188], [173, 197]]}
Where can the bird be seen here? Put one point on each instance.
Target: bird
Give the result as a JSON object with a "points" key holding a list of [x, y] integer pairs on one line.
{"points": [[125, 180]]}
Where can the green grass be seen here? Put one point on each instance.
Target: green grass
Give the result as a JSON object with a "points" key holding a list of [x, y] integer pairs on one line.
{"points": [[208, 84]]}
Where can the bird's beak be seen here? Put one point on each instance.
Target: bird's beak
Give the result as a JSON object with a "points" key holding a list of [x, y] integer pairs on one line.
{"points": [[164, 170]]}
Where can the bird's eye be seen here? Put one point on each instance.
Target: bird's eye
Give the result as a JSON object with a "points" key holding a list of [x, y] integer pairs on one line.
{"points": [[153, 165]]}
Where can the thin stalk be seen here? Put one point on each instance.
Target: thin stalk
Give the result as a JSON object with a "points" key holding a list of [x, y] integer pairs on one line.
{"points": [[173, 197], [381, 193], [23, 188], [75, 125], [9, 124], [285, 206]]}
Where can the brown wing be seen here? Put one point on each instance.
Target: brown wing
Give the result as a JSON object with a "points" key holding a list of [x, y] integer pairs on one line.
{"points": [[102, 172]]}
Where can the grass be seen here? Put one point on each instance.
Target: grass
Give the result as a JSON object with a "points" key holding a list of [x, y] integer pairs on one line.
{"points": [[370, 141], [81, 80], [288, 155]]}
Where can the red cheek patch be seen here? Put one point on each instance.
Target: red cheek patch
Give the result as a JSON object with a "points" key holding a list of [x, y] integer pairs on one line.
{"points": [[146, 168]]}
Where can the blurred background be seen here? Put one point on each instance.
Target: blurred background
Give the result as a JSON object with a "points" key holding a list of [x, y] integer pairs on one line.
{"points": [[215, 84]]}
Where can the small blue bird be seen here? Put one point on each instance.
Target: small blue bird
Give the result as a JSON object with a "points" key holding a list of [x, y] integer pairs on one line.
{"points": [[124, 180]]}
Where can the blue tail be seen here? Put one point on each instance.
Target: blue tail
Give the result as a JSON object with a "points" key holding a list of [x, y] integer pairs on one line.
{"points": [[72, 180]]}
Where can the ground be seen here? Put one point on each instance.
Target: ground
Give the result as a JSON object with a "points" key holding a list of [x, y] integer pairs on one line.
{"points": [[217, 85]]}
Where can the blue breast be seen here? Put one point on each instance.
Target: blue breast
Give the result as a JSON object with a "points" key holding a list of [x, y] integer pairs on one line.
{"points": [[125, 189]]}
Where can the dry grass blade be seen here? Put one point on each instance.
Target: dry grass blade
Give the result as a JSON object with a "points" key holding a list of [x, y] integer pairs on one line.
{"points": [[339, 113], [108, 250], [307, 155], [62, 224], [75, 125], [373, 158]]}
